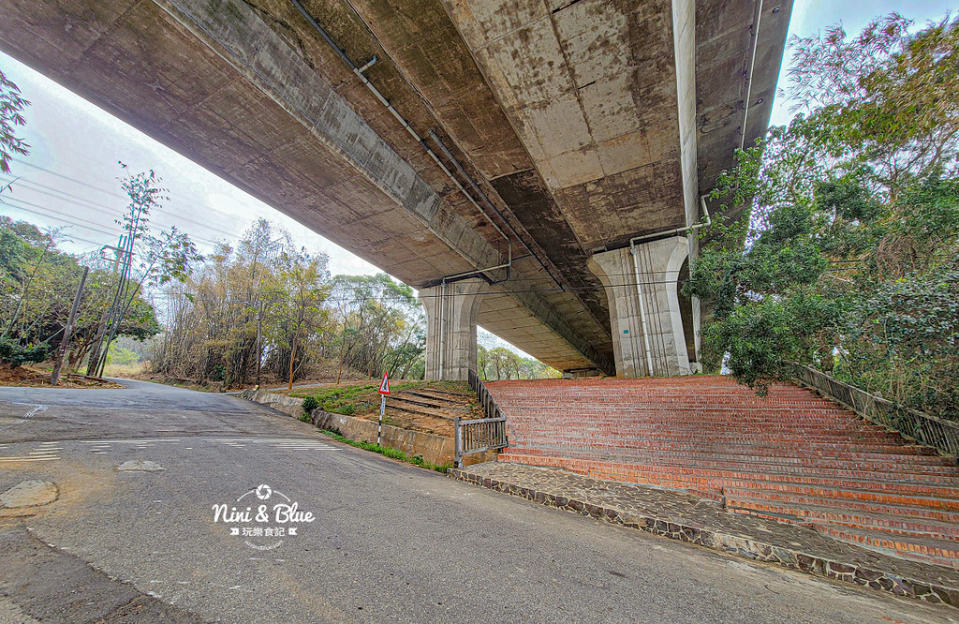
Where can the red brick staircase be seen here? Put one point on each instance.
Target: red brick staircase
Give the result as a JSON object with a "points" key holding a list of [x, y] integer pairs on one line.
{"points": [[791, 456]]}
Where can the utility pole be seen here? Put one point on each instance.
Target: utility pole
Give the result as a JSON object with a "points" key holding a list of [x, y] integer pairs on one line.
{"points": [[259, 346], [93, 362], [120, 307], [68, 330]]}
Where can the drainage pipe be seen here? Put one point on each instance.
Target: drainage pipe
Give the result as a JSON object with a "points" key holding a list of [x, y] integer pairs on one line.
{"points": [[639, 279], [757, 16], [442, 335], [679, 230], [642, 311], [359, 71], [493, 207]]}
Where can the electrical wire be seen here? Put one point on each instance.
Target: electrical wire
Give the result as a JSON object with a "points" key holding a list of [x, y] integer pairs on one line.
{"points": [[46, 212], [98, 208]]}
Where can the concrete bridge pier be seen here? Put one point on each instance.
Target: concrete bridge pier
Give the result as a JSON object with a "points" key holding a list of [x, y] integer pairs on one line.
{"points": [[646, 313], [451, 313]]}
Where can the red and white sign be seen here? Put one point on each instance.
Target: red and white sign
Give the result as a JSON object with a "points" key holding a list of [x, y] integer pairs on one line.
{"points": [[384, 385]]}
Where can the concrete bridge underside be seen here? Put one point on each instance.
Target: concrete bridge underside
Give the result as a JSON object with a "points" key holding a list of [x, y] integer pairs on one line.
{"points": [[560, 131]]}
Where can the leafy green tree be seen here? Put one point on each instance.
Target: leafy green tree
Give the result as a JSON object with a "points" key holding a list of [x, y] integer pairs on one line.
{"points": [[380, 325], [296, 313], [846, 253], [12, 105], [169, 256], [37, 284], [500, 363]]}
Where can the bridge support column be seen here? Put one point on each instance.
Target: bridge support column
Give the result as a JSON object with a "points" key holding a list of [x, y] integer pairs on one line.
{"points": [[644, 307], [451, 313]]}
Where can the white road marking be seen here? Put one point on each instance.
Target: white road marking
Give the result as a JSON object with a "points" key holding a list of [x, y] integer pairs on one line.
{"points": [[30, 414], [36, 410], [44, 451], [315, 446], [137, 442], [295, 444]]}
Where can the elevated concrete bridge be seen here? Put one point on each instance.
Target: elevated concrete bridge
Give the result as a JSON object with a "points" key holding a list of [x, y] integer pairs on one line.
{"points": [[532, 166]]}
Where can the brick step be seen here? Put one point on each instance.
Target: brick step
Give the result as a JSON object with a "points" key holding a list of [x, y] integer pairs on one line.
{"points": [[892, 523], [702, 398], [629, 438], [628, 414], [761, 449], [926, 513], [667, 405], [645, 402], [646, 385], [642, 431], [910, 464], [939, 552], [694, 425], [588, 440], [723, 477], [837, 494], [765, 447], [625, 416], [917, 463], [701, 480], [892, 470], [792, 456]]}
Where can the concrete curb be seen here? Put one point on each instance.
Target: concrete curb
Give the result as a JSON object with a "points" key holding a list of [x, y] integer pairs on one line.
{"points": [[734, 544]]}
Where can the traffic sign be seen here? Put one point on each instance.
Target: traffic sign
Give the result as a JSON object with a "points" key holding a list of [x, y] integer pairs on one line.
{"points": [[384, 385]]}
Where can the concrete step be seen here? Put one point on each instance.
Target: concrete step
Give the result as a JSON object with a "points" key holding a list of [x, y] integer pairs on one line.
{"points": [[441, 395], [426, 405], [415, 410]]}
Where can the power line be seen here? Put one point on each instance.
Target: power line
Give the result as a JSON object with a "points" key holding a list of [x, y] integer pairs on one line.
{"points": [[56, 194], [104, 191], [98, 209], [59, 216]]}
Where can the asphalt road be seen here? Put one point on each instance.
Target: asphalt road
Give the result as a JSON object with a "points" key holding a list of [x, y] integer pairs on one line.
{"points": [[389, 542]]}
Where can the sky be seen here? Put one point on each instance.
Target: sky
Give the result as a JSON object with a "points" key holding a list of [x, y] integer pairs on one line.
{"points": [[70, 179]]}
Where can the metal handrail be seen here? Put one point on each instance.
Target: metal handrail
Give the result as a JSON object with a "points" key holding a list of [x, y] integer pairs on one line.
{"points": [[481, 434], [943, 435]]}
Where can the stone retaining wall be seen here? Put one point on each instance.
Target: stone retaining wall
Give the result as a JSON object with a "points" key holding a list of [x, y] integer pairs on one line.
{"points": [[433, 448]]}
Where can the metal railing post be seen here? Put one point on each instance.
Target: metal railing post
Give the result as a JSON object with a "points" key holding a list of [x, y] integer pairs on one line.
{"points": [[457, 444]]}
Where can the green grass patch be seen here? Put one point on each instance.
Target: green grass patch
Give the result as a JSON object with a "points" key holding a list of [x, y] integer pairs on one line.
{"points": [[390, 452], [364, 398]]}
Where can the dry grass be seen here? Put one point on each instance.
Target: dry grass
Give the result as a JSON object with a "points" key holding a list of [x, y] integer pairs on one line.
{"points": [[28, 376]]}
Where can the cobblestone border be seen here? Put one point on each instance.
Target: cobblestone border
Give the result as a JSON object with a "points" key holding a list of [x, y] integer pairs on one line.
{"points": [[733, 544]]}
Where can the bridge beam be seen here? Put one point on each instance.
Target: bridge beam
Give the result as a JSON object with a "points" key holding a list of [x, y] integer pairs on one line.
{"points": [[451, 313], [644, 307]]}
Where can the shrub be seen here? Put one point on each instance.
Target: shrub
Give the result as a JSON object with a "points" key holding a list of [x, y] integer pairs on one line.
{"points": [[15, 355], [346, 410], [309, 404]]}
